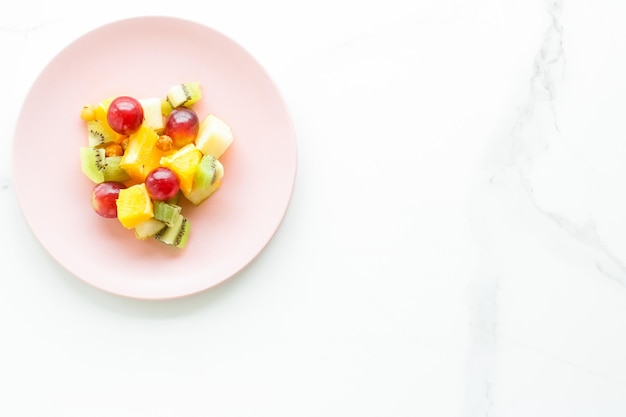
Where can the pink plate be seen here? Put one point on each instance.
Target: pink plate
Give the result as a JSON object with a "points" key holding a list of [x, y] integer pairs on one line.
{"points": [[143, 57]]}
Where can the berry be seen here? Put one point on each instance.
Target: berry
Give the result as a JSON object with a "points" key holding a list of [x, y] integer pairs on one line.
{"points": [[162, 184], [125, 115], [182, 126], [104, 197]]}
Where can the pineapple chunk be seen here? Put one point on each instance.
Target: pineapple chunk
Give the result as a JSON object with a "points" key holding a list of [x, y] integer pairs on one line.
{"points": [[142, 154], [184, 163], [134, 206]]}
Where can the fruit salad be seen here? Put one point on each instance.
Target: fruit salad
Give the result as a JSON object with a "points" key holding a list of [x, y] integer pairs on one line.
{"points": [[144, 154]]}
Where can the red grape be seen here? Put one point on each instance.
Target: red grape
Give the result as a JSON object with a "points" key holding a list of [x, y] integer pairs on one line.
{"points": [[104, 197], [182, 126], [125, 115], [162, 184]]}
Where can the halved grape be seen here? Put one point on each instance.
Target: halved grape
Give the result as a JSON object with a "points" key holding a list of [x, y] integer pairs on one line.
{"points": [[182, 126], [104, 197], [162, 184], [125, 115]]}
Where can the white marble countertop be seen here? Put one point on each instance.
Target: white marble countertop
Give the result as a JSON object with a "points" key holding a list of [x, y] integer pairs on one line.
{"points": [[455, 244]]}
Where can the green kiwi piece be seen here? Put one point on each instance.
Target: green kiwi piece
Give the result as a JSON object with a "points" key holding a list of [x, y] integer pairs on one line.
{"points": [[177, 234], [210, 170], [93, 163], [174, 200], [166, 213], [166, 107], [205, 175], [184, 94], [148, 228], [113, 171], [99, 133]]}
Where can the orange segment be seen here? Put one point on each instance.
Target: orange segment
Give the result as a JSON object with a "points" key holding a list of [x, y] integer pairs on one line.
{"points": [[134, 206], [184, 163], [142, 154]]}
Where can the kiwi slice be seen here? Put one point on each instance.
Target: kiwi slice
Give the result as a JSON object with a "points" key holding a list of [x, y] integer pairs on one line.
{"points": [[99, 133], [184, 94], [93, 163], [174, 200], [99, 168], [166, 213], [206, 180], [177, 234], [166, 107], [206, 174], [113, 171], [148, 228]]}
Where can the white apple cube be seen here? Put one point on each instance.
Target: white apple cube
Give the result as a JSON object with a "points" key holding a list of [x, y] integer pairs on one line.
{"points": [[214, 136], [152, 114]]}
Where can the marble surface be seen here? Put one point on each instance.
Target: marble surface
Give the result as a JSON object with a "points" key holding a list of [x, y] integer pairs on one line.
{"points": [[455, 245]]}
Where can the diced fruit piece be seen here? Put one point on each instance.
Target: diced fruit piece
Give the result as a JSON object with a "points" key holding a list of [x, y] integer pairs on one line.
{"points": [[182, 126], [144, 154], [114, 149], [184, 94], [141, 155], [165, 143], [134, 206], [125, 115], [184, 163], [177, 234], [104, 197], [113, 171], [174, 200], [166, 107], [165, 212], [124, 144], [207, 180], [92, 163], [214, 136], [102, 108], [152, 114], [162, 184], [148, 228], [99, 168], [88, 112], [99, 133]]}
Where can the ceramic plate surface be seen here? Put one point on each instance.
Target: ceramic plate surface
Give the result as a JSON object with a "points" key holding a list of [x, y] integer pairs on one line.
{"points": [[143, 57]]}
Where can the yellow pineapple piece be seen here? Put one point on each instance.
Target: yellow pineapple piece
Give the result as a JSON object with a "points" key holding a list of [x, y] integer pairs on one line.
{"points": [[142, 155], [184, 163], [102, 108], [134, 206]]}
